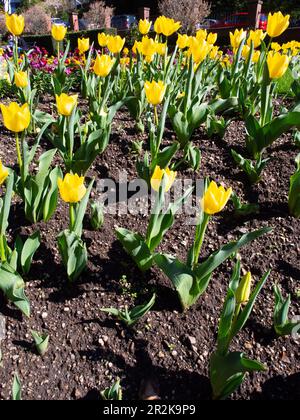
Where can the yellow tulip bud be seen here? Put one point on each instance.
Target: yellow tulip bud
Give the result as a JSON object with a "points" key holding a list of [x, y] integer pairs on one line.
{"points": [[166, 26], [237, 37], [275, 46], [245, 51], [277, 24], [158, 175], [65, 104], [199, 49], [103, 65], [58, 32], [214, 53], [115, 44], [277, 64], [16, 118], [161, 48], [83, 45], [215, 198], [155, 92], [21, 79], [71, 188], [256, 56], [183, 41], [147, 46], [201, 34], [102, 39], [144, 26], [15, 24], [256, 37], [3, 173], [243, 291], [212, 38]]}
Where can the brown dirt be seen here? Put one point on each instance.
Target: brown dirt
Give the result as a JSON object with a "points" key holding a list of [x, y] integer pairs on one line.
{"points": [[88, 349]]}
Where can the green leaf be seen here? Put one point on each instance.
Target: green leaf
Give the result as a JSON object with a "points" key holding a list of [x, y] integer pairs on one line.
{"points": [[6, 203], [29, 248], [41, 342], [282, 325], [81, 210], [13, 286], [16, 388], [73, 252]]}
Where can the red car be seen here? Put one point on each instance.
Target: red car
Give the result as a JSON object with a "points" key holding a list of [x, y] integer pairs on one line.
{"points": [[240, 20]]}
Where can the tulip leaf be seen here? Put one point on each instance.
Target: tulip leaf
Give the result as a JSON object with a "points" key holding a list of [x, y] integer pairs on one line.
{"points": [[282, 325], [73, 252], [80, 212], [16, 388], [28, 250], [6, 203]]}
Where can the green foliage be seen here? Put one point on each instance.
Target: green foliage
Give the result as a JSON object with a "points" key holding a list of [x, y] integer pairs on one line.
{"points": [[282, 324], [112, 393], [41, 341], [16, 388]]}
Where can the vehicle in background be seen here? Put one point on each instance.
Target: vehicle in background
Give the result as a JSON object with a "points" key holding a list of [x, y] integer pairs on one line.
{"points": [[240, 20], [207, 23], [123, 22], [59, 21]]}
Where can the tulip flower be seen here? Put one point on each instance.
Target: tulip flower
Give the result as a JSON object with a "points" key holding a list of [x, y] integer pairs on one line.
{"points": [[83, 45], [103, 65], [199, 49], [256, 37], [115, 44], [277, 64], [212, 38], [183, 41], [102, 39], [215, 198], [155, 92], [21, 79], [237, 37], [3, 173], [15, 24], [71, 188], [16, 118], [58, 32], [277, 24], [201, 34], [158, 175], [245, 51], [158, 26], [147, 46], [144, 26], [214, 53], [243, 291], [65, 104], [161, 48], [169, 26], [256, 56], [275, 46]]}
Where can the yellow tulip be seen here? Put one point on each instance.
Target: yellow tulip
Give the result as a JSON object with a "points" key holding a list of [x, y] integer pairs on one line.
{"points": [[245, 51], [215, 198], [3, 173], [277, 24], [275, 46], [103, 65], [144, 26], [16, 118], [65, 104], [115, 44], [102, 39], [214, 53], [136, 47], [58, 32], [124, 61], [212, 38], [256, 37], [15, 24], [199, 49], [277, 64], [183, 41], [158, 175], [161, 48], [201, 34], [125, 52], [155, 92], [83, 45], [147, 46], [166, 26], [237, 37], [243, 291], [71, 188], [256, 56], [21, 79]]}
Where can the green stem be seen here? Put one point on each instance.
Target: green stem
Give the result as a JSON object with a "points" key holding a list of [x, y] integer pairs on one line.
{"points": [[72, 216], [16, 52], [58, 53], [99, 90], [2, 249], [199, 237], [156, 122], [20, 162]]}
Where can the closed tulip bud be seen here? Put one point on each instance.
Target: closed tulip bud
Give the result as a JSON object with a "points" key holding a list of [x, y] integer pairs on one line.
{"points": [[256, 56], [21, 79], [245, 51], [277, 24], [201, 34], [144, 26], [161, 48], [214, 53], [97, 215], [102, 39], [212, 38], [147, 46], [277, 64], [158, 175], [103, 65], [157, 25], [237, 37], [256, 37], [83, 45], [3, 173], [215, 198], [65, 104], [199, 49], [115, 44], [15, 24], [243, 291], [155, 92], [71, 188], [183, 41], [16, 118], [58, 32]]}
